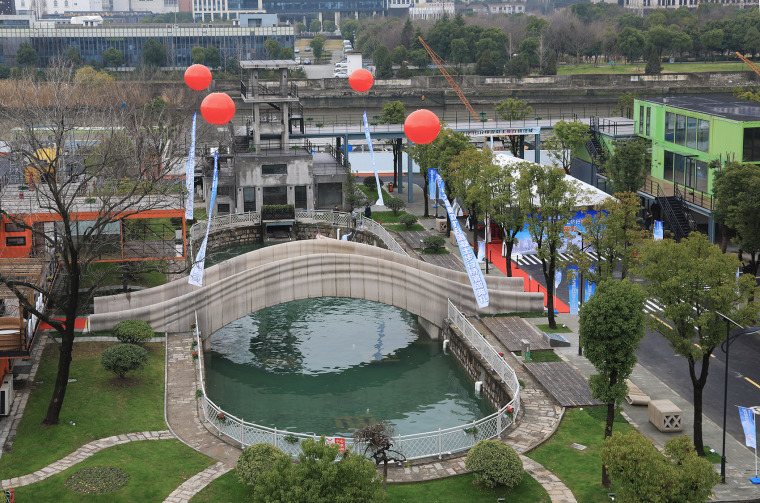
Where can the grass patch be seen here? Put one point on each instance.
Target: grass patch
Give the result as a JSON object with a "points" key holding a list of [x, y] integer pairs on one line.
{"points": [[712, 457], [442, 251], [151, 478], [404, 228], [541, 356], [519, 315], [638, 68], [581, 471], [387, 217], [599, 413], [97, 408], [559, 330], [448, 490]]}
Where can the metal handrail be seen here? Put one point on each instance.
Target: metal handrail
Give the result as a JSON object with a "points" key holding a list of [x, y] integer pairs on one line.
{"points": [[413, 446], [670, 214]]}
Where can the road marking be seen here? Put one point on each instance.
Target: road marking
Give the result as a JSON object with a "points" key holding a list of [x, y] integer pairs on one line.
{"points": [[753, 382], [700, 347], [658, 319]]}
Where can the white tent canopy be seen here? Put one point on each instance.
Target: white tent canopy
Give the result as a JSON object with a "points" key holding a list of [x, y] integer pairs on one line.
{"points": [[588, 194]]}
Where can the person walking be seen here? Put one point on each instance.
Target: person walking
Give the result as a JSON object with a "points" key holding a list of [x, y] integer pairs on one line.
{"points": [[368, 211]]}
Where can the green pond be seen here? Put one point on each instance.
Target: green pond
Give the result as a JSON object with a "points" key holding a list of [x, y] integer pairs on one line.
{"points": [[331, 365]]}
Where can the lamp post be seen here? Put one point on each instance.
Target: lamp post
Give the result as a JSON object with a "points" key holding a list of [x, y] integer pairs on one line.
{"points": [[724, 347]]}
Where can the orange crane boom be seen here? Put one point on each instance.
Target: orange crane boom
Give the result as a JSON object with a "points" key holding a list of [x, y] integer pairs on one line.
{"points": [[440, 62], [749, 63]]}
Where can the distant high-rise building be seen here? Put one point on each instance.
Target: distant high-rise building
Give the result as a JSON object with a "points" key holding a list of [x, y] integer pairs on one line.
{"points": [[7, 7]]}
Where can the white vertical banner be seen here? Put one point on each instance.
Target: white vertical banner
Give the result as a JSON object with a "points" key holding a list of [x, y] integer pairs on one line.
{"points": [[190, 174], [658, 233], [477, 280], [196, 274], [372, 155]]}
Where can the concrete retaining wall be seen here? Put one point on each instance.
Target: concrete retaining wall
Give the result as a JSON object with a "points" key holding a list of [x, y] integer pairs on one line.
{"points": [[308, 269]]}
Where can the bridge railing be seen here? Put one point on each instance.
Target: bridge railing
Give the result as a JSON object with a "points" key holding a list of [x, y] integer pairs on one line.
{"points": [[413, 446], [341, 219]]}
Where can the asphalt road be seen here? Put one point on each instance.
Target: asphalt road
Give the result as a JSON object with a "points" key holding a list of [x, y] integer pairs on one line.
{"points": [[656, 355]]}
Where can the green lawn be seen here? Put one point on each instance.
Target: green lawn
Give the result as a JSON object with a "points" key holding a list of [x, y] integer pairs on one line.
{"points": [[387, 217], [559, 330], [155, 469], [540, 356], [404, 228], [581, 471], [96, 407], [458, 489], [638, 68]]}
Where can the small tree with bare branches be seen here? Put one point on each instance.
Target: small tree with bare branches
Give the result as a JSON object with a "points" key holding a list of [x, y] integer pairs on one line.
{"points": [[377, 441]]}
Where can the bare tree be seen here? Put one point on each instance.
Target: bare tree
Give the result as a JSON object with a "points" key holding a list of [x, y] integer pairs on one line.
{"points": [[94, 154], [377, 440]]}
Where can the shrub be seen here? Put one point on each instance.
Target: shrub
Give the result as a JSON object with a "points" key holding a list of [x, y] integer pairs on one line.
{"points": [[255, 460], [133, 332], [433, 243], [123, 358], [369, 181], [395, 205], [407, 219], [495, 464]]}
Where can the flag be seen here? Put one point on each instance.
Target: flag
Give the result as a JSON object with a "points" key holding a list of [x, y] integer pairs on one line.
{"points": [[372, 155], [190, 174], [573, 291], [658, 233], [748, 423], [196, 273]]}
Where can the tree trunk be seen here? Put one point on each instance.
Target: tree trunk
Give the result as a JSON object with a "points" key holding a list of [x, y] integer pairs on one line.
{"points": [[608, 428], [395, 162], [474, 221], [62, 378], [426, 191], [549, 277], [385, 475], [699, 385], [510, 245]]}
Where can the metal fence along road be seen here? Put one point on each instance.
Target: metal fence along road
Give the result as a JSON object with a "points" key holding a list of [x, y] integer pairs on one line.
{"points": [[413, 446]]}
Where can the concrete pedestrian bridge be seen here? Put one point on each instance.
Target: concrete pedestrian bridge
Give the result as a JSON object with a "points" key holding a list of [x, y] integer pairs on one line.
{"points": [[308, 269]]}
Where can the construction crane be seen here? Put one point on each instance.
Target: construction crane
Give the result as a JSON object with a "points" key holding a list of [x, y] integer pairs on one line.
{"points": [[749, 63], [440, 62]]}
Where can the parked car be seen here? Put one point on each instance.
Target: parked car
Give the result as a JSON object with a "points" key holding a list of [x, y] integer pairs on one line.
{"points": [[296, 50], [307, 61], [308, 48], [340, 75], [298, 59]]}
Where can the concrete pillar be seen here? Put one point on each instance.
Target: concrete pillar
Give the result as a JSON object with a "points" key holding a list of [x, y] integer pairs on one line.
{"points": [[337, 19], [285, 137], [409, 178], [711, 229], [538, 149], [399, 168], [432, 330]]}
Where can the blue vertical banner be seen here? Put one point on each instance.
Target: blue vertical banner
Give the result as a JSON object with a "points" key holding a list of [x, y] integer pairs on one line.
{"points": [[481, 251], [658, 233], [431, 185], [477, 280], [190, 174], [196, 273], [590, 288], [748, 424], [557, 279], [572, 286], [374, 166]]}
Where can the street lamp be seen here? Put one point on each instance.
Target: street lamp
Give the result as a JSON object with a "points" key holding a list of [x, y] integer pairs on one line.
{"points": [[724, 347]]}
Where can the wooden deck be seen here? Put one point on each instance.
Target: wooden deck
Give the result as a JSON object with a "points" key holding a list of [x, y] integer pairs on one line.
{"points": [[564, 382], [510, 331], [413, 239]]}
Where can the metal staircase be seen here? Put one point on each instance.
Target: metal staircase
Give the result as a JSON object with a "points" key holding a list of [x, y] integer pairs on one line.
{"points": [[676, 214]]}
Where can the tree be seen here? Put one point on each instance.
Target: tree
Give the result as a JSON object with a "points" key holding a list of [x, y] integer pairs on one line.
{"points": [[712, 40], [693, 280], [641, 473], [319, 478], [348, 28], [631, 42], [317, 45], [659, 37], [486, 65], [153, 53], [611, 326], [568, 140], [517, 67], [286, 53], [123, 358], [394, 112], [72, 54], [255, 460], [495, 464], [551, 65], [513, 110], [471, 175], [212, 56], [400, 54], [198, 54], [300, 27], [26, 55], [419, 58], [625, 105], [628, 166], [736, 188], [654, 65], [529, 49], [315, 26], [383, 62], [377, 441], [549, 202], [329, 26], [113, 57], [125, 146], [272, 48], [460, 51], [505, 206]]}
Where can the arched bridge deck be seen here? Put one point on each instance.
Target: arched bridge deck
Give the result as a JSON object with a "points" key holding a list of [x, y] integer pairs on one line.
{"points": [[307, 269]]}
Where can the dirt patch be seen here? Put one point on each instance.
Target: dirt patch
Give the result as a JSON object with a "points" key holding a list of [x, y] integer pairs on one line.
{"points": [[126, 382]]}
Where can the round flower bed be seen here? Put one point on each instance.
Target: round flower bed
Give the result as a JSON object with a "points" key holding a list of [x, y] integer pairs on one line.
{"points": [[97, 480]]}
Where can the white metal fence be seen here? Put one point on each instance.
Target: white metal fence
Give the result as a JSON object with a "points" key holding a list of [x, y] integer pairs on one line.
{"points": [[414, 446], [198, 230]]}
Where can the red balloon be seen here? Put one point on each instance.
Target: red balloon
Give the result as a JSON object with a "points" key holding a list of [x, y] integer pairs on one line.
{"points": [[361, 80], [198, 77], [422, 127], [217, 108]]}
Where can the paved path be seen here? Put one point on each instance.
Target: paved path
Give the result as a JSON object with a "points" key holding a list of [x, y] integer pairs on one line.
{"points": [[83, 453]]}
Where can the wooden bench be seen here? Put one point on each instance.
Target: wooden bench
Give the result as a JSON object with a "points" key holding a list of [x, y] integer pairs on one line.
{"points": [[665, 416]]}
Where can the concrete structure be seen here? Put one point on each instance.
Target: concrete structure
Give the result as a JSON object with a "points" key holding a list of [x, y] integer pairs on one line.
{"points": [[432, 10], [309, 269]]}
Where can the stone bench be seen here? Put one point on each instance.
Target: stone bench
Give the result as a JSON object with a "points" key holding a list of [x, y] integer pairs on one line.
{"points": [[665, 416]]}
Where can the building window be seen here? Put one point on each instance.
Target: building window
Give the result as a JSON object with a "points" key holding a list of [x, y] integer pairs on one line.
{"points": [[13, 227], [224, 190], [274, 169], [678, 169], [649, 110], [15, 241], [301, 201], [249, 199], [703, 135], [680, 130], [275, 195], [701, 176], [222, 208], [670, 126], [751, 145], [641, 119], [668, 166], [691, 132]]}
